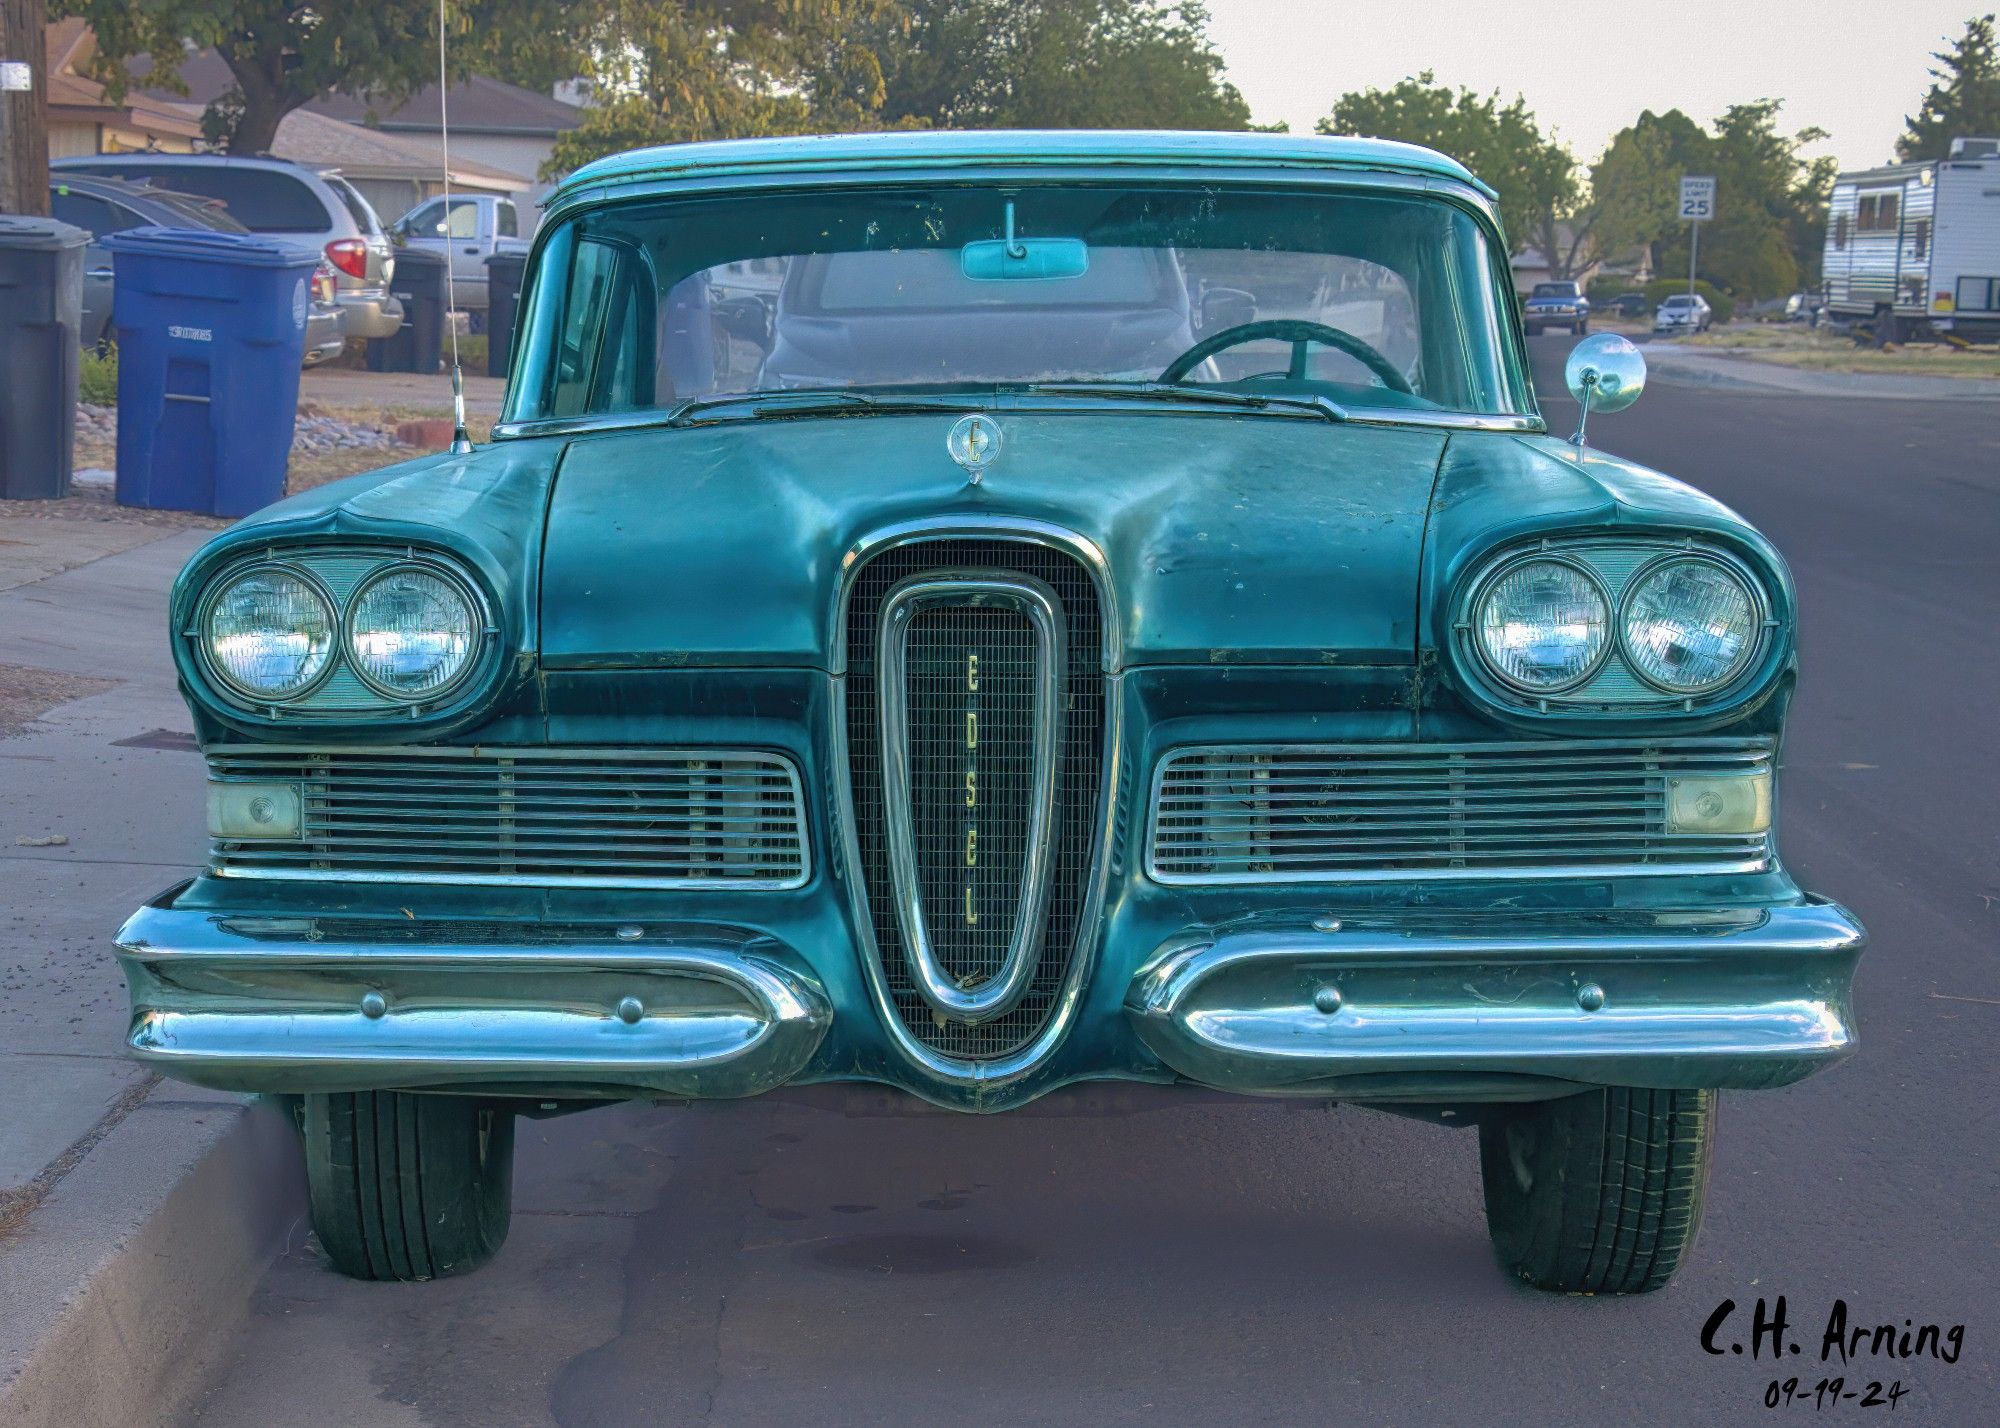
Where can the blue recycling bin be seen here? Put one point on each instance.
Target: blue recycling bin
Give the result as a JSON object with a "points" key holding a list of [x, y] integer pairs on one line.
{"points": [[211, 331]]}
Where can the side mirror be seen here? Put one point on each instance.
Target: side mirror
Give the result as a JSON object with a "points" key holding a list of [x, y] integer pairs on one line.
{"points": [[1604, 373], [1224, 308]]}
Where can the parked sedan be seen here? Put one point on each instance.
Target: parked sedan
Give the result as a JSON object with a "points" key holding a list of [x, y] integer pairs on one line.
{"points": [[102, 206], [301, 208], [1557, 305], [1026, 677], [1683, 312]]}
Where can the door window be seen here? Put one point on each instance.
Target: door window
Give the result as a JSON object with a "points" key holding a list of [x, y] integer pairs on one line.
{"points": [[507, 221]]}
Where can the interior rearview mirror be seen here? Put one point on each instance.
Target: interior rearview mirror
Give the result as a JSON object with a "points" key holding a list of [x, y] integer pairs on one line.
{"points": [[1224, 308]]}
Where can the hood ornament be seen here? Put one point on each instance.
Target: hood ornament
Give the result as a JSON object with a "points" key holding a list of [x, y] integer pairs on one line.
{"points": [[974, 443]]}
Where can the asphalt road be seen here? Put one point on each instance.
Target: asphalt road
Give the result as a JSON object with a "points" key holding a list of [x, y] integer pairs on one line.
{"points": [[763, 1264]]}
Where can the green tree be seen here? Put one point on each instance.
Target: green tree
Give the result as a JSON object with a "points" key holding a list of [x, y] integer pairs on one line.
{"points": [[1770, 219], [1964, 96], [664, 72], [667, 73], [1074, 64], [1534, 175], [283, 54]]}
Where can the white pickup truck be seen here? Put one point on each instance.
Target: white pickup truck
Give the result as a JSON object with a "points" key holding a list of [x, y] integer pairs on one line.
{"points": [[478, 226]]}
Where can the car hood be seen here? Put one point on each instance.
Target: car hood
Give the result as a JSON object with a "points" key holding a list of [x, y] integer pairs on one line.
{"points": [[1255, 539]]}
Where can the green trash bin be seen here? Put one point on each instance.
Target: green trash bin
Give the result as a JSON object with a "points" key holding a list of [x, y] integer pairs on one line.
{"points": [[41, 338]]}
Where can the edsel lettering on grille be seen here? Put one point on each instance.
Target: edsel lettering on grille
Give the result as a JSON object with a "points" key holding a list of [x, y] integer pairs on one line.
{"points": [[991, 615]]}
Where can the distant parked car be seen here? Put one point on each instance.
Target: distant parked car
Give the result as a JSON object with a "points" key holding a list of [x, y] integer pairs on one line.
{"points": [[102, 206], [1557, 305], [301, 208], [1804, 307], [477, 227], [1628, 305], [1683, 312]]}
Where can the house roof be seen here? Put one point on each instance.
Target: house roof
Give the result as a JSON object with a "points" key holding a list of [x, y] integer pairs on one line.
{"points": [[308, 138], [1016, 148], [479, 105], [78, 99]]}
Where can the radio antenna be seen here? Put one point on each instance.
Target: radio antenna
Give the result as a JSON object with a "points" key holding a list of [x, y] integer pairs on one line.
{"points": [[461, 442]]}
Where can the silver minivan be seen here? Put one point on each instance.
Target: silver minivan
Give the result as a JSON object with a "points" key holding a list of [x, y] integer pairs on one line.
{"points": [[313, 209]]}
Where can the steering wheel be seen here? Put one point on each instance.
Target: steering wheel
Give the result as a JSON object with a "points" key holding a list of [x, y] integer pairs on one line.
{"points": [[1301, 334]]}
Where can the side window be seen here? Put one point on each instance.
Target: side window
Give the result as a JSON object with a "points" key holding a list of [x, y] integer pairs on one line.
{"points": [[604, 350], [1889, 211], [423, 222], [91, 214], [1840, 232], [464, 221], [507, 221], [1864, 215], [1920, 237]]}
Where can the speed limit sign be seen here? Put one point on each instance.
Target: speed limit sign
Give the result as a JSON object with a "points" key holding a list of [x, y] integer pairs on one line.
{"points": [[1697, 197]]}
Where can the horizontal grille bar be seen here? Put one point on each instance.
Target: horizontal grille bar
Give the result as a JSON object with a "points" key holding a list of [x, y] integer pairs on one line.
{"points": [[1356, 812], [638, 818]]}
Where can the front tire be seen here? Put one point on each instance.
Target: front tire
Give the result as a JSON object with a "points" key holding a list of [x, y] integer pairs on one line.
{"points": [[408, 1187], [1583, 328], [1599, 1193]]}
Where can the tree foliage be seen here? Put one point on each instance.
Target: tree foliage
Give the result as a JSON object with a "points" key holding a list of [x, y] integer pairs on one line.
{"points": [[1964, 97], [283, 54], [669, 72], [1770, 219], [1534, 175]]}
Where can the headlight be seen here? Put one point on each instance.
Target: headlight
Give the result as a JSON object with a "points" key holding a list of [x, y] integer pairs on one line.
{"points": [[1543, 625], [269, 633], [411, 633], [1691, 624]]}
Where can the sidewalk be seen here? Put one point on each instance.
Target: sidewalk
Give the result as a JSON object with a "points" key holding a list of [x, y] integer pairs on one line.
{"points": [[100, 808], [1719, 367]]}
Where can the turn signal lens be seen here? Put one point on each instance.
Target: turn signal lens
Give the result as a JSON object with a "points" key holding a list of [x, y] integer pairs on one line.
{"points": [[1721, 803], [239, 812]]}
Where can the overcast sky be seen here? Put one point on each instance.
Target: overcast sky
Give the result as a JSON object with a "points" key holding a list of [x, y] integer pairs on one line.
{"points": [[1852, 67]]}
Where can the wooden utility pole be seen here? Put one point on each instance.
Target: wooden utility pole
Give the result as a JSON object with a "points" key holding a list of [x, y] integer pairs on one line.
{"points": [[24, 113]]}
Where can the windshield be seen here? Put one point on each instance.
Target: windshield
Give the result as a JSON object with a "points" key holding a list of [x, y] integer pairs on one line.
{"points": [[1554, 290], [1368, 300]]}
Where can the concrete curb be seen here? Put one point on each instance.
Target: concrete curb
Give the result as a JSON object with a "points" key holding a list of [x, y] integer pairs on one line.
{"points": [[119, 1293], [1721, 370]]}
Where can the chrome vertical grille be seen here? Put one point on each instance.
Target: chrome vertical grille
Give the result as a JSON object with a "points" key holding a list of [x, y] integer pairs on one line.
{"points": [[939, 640]]}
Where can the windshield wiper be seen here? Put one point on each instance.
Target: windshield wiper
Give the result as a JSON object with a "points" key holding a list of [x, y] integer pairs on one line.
{"points": [[813, 401], [1195, 396]]}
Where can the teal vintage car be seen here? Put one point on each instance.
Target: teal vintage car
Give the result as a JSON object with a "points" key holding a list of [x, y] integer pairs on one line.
{"points": [[1105, 608]]}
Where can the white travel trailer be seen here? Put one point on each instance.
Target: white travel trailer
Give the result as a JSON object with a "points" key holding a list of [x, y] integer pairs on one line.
{"points": [[1919, 242]]}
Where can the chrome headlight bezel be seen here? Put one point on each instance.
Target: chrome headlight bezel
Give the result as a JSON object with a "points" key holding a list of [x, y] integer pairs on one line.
{"points": [[1483, 589], [1614, 689], [226, 580], [478, 621], [339, 694], [1753, 647]]}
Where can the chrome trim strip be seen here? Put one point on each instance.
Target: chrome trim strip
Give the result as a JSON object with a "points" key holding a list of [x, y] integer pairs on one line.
{"points": [[1701, 1002], [1016, 528], [999, 994], [1760, 751], [465, 753], [531, 1017]]}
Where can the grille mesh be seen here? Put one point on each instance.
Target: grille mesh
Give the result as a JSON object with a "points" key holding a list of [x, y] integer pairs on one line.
{"points": [[596, 817], [937, 641], [1338, 812]]}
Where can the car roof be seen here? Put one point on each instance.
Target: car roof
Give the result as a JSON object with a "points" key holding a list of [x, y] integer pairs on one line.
{"points": [[869, 154], [234, 161]]}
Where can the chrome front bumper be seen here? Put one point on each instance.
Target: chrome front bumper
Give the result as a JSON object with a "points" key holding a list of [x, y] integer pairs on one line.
{"points": [[1500, 1006], [273, 1004]]}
